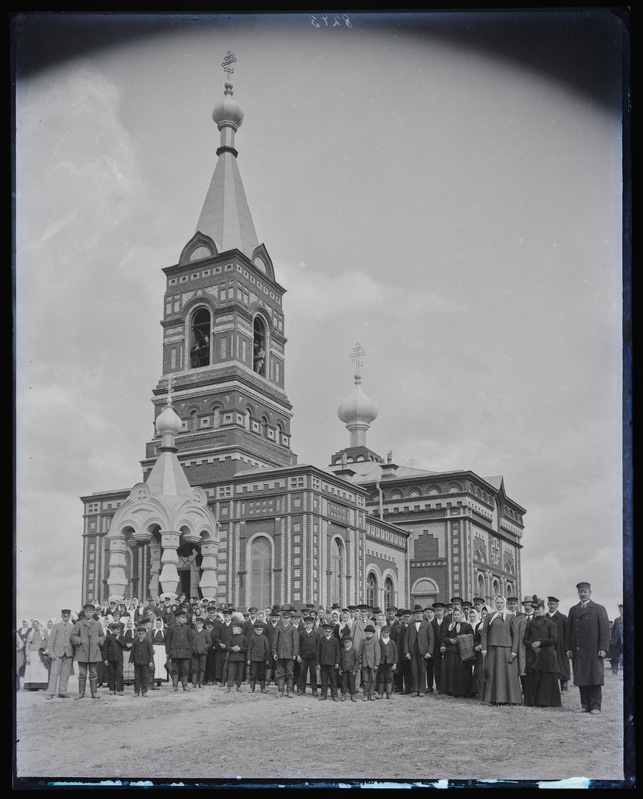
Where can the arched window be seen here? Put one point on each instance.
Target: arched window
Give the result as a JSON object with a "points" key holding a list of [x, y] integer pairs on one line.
{"points": [[200, 338], [389, 593], [260, 573], [424, 592], [336, 570], [371, 590], [496, 587], [259, 345], [481, 591]]}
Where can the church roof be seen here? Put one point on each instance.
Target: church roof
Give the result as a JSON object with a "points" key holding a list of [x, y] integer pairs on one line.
{"points": [[225, 216], [167, 478]]}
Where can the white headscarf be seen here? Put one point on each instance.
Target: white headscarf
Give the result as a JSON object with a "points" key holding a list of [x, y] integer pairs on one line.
{"points": [[493, 614]]}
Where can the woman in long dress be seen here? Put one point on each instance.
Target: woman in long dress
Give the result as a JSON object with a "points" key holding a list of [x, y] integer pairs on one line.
{"points": [[476, 677], [128, 636], [456, 675], [160, 655], [36, 672], [499, 648], [541, 669]]}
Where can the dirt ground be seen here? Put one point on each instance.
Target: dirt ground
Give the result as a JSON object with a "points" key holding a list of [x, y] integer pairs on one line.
{"points": [[209, 737]]}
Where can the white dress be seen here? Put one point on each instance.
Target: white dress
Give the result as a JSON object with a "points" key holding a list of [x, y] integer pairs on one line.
{"points": [[36, 673]]}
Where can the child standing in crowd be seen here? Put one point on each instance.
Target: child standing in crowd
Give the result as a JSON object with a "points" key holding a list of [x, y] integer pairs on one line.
{"points": [[328, 657], [157, 635], [142, 656], [202, 643], [114, 646], [348, 666], [237, 649], [369, 657], [285, 648], [388, 662], [258, 656]]}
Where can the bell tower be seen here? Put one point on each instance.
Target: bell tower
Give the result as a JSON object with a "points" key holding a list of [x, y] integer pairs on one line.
{"points": [[223, 331]]}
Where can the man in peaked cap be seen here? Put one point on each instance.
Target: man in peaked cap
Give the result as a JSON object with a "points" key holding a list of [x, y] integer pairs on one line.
{"points": [[272, 622], [402, 678], [586, 643], [87, 637], [523, 618], [513, 605], [478, 604], [560, 620]]}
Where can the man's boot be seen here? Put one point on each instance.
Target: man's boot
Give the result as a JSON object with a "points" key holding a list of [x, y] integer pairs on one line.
{"points": [[184, 682], [289, 689], [280, 688], [252, 686], [201, 678], [262, 685], [314, 687], [380, 693], [389, 690], [94, 688], [81, 688], [343, 699], [194, 680]]}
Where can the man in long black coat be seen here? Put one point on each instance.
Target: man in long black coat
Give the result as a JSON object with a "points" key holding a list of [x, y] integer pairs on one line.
{"points": [[587, 642], [561, 625]]}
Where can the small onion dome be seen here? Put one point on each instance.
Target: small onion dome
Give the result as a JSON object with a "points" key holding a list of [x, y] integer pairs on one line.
{"points": [[228, 111], [168, 422], [357, 408]]}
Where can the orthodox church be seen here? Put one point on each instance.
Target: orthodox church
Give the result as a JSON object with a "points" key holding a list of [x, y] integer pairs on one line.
{"points": [[225, 512]]}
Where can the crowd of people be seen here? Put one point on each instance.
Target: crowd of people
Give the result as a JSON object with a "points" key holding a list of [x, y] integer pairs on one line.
{"points": [[514, 652]]}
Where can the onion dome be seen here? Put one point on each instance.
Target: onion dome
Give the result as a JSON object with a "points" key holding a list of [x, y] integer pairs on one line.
{"points": [[358, 407], [228, 111], [168, 422]]}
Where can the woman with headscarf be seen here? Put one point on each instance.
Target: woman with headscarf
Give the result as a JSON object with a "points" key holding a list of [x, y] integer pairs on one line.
{"points": [[160, 654], [541, 668], [36, 673], [456, 674], [128, 635], [499, 648]]}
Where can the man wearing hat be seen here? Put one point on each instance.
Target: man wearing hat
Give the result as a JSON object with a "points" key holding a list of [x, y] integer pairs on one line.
{"points": [[61, 652], [307, 657], [87, 637], [478, 604], [403, 671], [418, 648], [586, 643], [616, 642], [513, 604], [179, 643], [560, 620], [328, 658], [522, 620], [272, 621], [285, 648]]}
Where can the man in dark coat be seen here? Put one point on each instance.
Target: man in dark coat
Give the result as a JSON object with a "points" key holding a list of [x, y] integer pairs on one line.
{"points": [[561, 625], [179, 642], [616, 642], [586, 644], [418, 648], [87, 638]]}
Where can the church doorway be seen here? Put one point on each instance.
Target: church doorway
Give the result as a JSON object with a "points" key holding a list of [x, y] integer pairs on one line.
{"points": [[189, 569]]}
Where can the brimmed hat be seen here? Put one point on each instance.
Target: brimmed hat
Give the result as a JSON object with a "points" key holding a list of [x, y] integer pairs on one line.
{"points": [[369, 628], [418, 609]]}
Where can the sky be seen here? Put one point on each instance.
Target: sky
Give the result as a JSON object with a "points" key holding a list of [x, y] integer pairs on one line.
{"points": [[444, 189]]}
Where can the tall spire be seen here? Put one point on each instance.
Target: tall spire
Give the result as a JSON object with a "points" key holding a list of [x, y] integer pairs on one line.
{"points": [[225, 216]]}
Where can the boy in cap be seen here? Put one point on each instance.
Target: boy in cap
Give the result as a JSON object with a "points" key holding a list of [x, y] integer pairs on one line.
{"points": [[236, 649], [307, 657], [202, 643], [369, 657], [113, 647], [258, 656], [388, 663], [142, 656], [269, 631], [348, 667], [87, 638], [179, 642], [60, 651], [285, 648], [328, 657]]}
